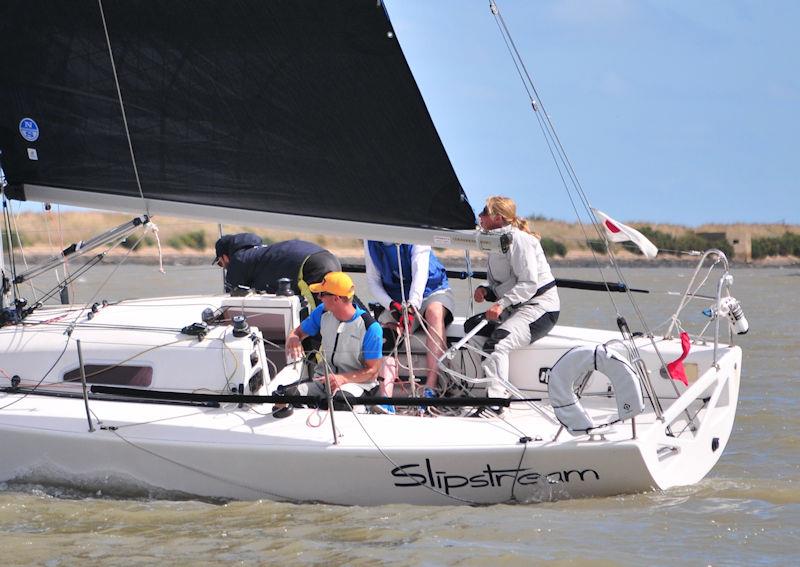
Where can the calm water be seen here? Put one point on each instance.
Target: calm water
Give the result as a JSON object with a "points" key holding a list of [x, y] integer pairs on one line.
{"points": [[747, 512]]}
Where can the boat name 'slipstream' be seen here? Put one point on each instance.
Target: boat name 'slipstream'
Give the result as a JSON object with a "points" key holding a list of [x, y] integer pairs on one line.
{"points": [[421, 474]]}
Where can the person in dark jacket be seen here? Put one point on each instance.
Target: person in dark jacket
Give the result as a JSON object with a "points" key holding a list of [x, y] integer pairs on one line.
{"points": [[250, 263]]}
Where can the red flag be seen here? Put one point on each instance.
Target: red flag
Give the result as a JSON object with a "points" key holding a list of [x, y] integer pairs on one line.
{"points": [[618, 232], [675, 368], [612, 227]]}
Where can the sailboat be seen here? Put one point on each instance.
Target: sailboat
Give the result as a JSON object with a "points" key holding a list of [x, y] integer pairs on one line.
{"points": [[296, 115]]}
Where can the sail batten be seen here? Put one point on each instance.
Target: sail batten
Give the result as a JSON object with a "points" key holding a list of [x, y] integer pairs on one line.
{"points": [[303, 108]]}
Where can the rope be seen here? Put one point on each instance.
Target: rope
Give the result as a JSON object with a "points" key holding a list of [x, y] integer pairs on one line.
{"points": [[152, 226], [68, 333], [132, 357], [433, 488], [396, 466], [39, 383], [273, 495]]}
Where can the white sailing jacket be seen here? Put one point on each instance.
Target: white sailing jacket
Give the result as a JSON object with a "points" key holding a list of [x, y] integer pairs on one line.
{"points": [[515, 276]]}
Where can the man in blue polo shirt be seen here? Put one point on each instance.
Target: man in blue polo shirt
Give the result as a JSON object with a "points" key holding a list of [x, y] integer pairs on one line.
{"points": [[351, 344]]}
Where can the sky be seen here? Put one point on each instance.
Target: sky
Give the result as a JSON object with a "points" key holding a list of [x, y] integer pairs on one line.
{"points": [[676, 111]]}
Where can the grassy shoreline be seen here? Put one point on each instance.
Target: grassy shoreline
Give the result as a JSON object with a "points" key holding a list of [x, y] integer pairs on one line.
{"points": [[191, 242]]}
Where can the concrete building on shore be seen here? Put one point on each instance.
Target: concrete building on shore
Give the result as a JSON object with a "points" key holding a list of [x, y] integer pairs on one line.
{"points": [[742, 241]]}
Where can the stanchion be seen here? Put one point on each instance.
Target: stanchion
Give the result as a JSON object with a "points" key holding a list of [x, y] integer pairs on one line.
{"points": [[83, 382]]}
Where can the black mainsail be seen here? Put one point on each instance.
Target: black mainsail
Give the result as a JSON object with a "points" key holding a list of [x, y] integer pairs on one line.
{"points": [[296, 107]]}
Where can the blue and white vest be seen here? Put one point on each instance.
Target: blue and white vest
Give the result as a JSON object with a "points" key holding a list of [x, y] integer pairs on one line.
{"points": [[384, 256]]}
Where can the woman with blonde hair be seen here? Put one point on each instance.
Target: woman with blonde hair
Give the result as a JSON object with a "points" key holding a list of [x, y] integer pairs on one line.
{"points": [[523, 291]]}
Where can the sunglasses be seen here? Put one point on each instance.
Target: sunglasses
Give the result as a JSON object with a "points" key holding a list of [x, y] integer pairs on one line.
{"points": [[326, 294], [484, 212]]}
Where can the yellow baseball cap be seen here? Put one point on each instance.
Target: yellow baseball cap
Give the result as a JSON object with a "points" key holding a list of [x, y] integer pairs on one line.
{"points": [[337, 283]]}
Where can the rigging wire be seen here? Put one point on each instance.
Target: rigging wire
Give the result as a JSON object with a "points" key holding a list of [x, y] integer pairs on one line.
{"points": [[11, 259], [122, 107], [47, 211], [551, 135], [87, 266], [92, 262], [22, 250], [554, 146], [68, 332], [117, 266]]}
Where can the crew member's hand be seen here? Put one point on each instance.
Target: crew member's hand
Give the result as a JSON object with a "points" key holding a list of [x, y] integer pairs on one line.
{"points": [[409, 318], [336, 380], [480, 294], [294, 347], [396, 310], [493, 313]]}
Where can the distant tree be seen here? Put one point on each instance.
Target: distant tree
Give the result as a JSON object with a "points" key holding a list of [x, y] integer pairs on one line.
{"points": [[598, 246], [553, 247], [693, 241], [788, 244], [195, 239], [19, 238], [665, 242]]}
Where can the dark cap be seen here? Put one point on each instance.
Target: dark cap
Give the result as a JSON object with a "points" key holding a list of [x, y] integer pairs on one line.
{"points": [[222, 246], [231, 243]]}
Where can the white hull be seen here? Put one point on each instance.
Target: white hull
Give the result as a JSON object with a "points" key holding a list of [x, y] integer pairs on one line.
{"points": [[245, 453], [292, 171]]}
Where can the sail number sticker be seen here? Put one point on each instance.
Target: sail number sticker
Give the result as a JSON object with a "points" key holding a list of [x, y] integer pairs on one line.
{"points": [[29, 129]]}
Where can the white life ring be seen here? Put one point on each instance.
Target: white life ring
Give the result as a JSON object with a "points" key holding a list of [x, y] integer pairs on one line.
{"points": [[573, 367]]}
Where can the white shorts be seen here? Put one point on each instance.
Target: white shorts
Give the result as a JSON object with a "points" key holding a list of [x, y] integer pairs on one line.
{"points": [[443, 296]]}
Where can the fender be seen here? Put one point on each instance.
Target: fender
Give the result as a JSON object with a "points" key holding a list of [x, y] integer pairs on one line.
{"points": [[576, 364]]}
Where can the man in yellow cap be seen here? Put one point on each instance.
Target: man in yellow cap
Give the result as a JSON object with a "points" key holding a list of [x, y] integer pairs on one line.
{"points": [[351, 344]]}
